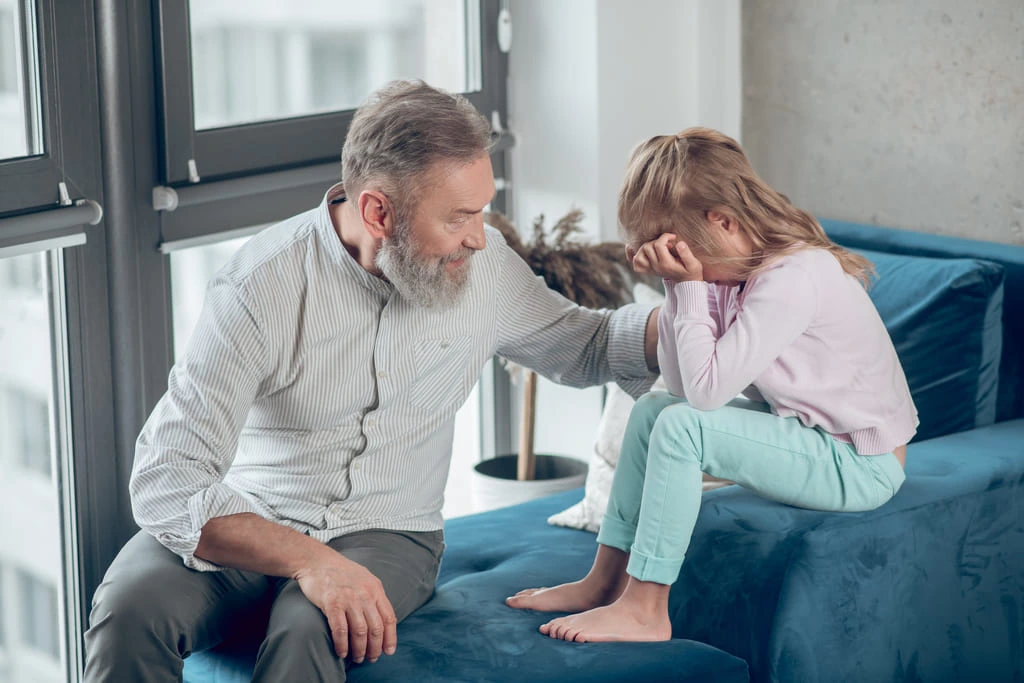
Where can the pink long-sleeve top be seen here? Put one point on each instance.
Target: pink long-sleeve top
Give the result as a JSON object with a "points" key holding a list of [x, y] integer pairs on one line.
{"points": [[803, 334]]}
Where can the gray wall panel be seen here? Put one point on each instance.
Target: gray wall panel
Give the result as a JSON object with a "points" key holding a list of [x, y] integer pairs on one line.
{"points": [[906, 114]]}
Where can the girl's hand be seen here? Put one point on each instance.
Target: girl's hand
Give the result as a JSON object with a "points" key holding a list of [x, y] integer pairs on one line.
{"points": [[667, 257]]}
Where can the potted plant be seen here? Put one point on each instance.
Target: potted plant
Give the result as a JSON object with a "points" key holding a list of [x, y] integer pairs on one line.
{"points": [[591, 275]]}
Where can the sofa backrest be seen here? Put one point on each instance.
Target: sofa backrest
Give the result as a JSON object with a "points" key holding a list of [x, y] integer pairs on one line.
{"points": [[1010, 403]]}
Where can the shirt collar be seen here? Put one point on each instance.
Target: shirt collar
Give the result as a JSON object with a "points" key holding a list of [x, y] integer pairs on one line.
{"points": [[337, 251]]}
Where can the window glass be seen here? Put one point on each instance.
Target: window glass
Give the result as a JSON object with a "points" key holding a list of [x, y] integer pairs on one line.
{"points": [[20, 122], [273, 59], [31, 541], [40, 629], [191, 269]]}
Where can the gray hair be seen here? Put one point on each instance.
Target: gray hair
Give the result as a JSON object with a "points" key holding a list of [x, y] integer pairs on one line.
{"points": [[401, 131]]}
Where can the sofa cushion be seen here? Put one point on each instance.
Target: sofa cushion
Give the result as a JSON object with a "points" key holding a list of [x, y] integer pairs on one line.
{"points": [[925, 588], [945, 320], [467, 633], [1010, 257]]}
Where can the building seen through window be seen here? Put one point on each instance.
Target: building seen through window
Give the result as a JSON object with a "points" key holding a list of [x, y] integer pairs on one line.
{"points": [[30, 531], [264, 60], [20, 122]]}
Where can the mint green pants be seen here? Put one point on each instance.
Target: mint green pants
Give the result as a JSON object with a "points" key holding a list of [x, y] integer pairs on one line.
{"points": [[655, 496]]}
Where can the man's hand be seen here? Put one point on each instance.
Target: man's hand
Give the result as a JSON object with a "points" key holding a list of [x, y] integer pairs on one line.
{"points": [[358, 611], [361, 618], [667, 257]]}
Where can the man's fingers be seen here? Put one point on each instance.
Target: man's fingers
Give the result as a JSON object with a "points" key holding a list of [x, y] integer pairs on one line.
{"points": [[339, 632], [374, 632], [357, 632], [387, 613]]}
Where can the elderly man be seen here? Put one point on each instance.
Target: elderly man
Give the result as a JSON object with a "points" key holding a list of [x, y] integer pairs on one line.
{"points": [[301, 450]]}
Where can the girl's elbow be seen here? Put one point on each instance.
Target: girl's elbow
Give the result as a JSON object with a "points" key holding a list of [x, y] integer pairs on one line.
{"points": [[703, 400]]}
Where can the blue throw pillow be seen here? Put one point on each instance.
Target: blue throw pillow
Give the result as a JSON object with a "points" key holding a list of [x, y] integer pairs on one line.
{"points": [[945, 320]]}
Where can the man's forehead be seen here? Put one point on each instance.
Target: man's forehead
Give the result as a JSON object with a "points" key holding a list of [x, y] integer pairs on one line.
{"points": [[466, 186]]}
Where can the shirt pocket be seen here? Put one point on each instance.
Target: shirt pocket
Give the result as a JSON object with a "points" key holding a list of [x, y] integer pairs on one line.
{"points": [[445, 373]]}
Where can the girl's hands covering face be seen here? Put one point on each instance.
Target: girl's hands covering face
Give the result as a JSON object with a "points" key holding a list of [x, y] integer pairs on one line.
{"points": [[667, 257]]}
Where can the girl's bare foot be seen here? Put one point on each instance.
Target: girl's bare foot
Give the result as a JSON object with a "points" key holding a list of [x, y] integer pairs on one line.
{"points": [[602, 585], [614, 622], [639, 614], [568, 597]]}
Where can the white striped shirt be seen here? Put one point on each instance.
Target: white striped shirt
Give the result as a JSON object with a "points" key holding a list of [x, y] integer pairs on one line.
{"points": [[313, 395]]}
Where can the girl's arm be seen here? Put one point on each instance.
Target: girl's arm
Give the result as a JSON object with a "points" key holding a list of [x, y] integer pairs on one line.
{"points": [[668, 356], [777, 307]]}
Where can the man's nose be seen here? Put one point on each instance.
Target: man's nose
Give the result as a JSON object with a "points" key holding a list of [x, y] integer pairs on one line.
{"points": [[475, 238]]}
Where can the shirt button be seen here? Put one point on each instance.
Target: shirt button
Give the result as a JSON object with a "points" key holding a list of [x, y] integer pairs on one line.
{"points": [[357, 466], [370, 422], [382, 375]]}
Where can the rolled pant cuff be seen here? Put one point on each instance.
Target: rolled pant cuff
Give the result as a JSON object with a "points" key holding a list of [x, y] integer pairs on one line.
{"points": [[659, 570], [616, 533]]}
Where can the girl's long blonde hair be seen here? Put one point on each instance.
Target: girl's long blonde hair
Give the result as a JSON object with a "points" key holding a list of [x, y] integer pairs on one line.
{"points": [[673, 181]]}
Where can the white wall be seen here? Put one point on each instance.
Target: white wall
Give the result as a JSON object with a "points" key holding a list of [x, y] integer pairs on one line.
{"points": [[588, 79]]}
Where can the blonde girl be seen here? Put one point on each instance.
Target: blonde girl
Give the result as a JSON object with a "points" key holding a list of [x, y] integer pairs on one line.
{"points": [[758, 301]]}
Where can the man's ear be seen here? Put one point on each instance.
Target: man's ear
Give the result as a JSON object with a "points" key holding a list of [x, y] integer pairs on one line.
{"points": [[377, 213]]}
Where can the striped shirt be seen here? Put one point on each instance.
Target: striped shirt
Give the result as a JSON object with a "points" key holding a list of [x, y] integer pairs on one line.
{"points": [[314, 395]]}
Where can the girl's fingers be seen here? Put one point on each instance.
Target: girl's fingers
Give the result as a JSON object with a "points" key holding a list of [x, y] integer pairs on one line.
{"points": [[641, 263], [689, 261]]}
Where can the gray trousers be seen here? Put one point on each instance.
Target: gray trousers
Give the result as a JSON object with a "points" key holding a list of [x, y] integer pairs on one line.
{"points": [[151, 611]]}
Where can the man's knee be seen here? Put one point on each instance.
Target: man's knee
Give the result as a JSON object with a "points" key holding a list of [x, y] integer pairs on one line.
{"points": [[298, 644], [296, 621], [147, 590]]}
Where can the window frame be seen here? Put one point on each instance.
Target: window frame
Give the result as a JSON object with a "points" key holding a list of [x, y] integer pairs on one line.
{"points": [[31, 182], [245, 149]]}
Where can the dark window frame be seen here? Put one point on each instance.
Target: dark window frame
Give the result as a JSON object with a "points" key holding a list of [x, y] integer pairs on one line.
{"points": [[30, 183]]}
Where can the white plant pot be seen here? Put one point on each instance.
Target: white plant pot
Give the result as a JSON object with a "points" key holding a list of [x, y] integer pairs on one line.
{"points": [[494, 483]]}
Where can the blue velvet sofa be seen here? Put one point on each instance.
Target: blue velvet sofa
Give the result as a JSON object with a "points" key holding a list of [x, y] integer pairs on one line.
{"points": [[929, 587]]}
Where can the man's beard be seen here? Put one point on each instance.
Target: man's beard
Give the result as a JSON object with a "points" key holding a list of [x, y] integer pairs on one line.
{"points": [[426, 283]]}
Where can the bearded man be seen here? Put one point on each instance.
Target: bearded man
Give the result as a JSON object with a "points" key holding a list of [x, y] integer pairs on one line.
{"points": [[300, 453]]}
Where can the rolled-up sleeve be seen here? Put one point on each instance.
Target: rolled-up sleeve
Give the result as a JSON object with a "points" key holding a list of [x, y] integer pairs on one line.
{"points": [[571, 345], [189, 441]]}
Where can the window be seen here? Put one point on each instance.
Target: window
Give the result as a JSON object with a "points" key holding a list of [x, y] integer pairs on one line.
{"points": [[269, 84], [8, 53], [19, 88], [28, 430], [22, 273], [39, 626], [260, 104], [263, 60], [39, 134], [191, 269], [33, 500]]}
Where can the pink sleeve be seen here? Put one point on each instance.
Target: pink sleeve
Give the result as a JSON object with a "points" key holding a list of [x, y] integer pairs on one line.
{"points": [[714, 367], [668, 359]]}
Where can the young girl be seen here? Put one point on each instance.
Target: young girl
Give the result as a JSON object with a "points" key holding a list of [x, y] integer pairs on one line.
{"points": [[758, 300]]}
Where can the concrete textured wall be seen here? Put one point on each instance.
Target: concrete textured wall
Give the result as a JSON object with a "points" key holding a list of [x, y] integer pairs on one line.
{"points": [[907, 113]]}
